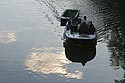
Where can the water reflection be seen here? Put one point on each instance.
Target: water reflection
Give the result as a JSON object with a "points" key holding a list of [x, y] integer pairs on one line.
{"points": [[116, 46], [79, 54], [113, 33], [7, 36], [50, 61], [110, 31], [109, 13]]}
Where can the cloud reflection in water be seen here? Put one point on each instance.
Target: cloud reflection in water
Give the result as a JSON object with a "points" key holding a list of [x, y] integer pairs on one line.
{"points": [[50, 61], [7, 36]]}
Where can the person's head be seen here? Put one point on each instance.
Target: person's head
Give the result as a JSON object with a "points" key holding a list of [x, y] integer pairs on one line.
{"points": [[85, 18], [90, 22]]}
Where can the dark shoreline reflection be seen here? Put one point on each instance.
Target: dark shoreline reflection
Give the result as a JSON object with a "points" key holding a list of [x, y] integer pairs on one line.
{"points": [[81, 54], [116, 45], [113, 32]]}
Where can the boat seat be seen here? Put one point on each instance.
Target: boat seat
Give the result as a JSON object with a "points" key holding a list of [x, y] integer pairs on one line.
{"points": [[74, 28]]}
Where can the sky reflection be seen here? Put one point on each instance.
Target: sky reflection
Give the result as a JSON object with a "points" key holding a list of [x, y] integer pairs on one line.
{"points": [[7, 36], [50, 61]]}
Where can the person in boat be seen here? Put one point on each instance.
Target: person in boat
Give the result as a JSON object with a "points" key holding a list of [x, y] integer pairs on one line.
{"points": [[74, 24], [68, 25], [86, 21], [92, 29], [83, 29]]}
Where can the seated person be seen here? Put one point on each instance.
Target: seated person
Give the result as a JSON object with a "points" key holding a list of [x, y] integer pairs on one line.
{"points": [[68, 26], [79, 20], [74, 24], [91, 28], [83, 29]]}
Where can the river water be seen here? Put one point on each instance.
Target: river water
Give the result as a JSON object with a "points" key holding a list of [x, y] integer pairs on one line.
{"points": [[31, 49]]}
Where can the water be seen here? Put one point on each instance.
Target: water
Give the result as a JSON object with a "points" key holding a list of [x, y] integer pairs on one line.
{"points": [[31, 49]]}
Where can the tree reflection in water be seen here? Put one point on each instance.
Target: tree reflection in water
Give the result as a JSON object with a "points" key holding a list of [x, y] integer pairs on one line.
{"points": [[113, 31], [116, 45], [114, 37]]}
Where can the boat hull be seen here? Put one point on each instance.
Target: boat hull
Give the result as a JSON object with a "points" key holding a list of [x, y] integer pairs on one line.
{"points": [[78, 40], [82, 42], [79, 54]]}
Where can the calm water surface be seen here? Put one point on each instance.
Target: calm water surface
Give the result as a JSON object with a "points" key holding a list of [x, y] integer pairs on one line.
{"points": [[31, 49]]}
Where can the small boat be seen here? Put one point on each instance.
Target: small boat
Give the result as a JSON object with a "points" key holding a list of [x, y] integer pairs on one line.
{"points": [[73, 36]]}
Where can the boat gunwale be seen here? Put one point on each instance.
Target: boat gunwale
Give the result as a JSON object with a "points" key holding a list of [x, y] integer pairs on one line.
{"points": [[79, 37]]}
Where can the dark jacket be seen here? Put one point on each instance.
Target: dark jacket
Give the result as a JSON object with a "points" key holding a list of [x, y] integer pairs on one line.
{"points": [[83, 29], [91, 29]]}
